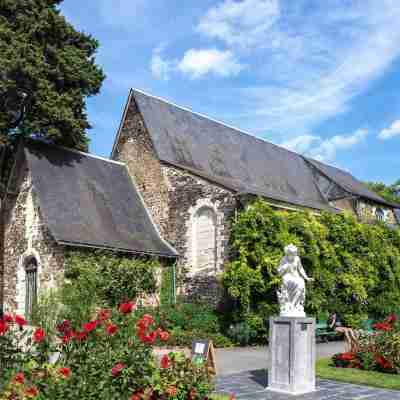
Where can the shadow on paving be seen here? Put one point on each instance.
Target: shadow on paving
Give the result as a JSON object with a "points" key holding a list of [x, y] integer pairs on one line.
{"points": [[251, 385]]}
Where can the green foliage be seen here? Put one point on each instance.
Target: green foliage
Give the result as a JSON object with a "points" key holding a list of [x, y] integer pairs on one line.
{"points": [[167, 291], [103, 278], [189, 321], [356, 266], [388, 192], [44, 57]]}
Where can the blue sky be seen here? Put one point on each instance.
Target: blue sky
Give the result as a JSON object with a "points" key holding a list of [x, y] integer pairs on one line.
{"points": [[319, 77]]}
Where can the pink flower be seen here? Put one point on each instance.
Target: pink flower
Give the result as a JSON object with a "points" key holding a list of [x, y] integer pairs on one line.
{"points": [[117, 369], [39, 335]]}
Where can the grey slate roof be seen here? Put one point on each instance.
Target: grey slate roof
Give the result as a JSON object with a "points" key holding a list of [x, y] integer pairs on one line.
{"points": [[348, 182], [88, 201], [236, 159], [227, 156]]}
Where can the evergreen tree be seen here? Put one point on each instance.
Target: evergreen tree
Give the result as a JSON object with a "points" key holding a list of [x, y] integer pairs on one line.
{"points": [[47, 70]]}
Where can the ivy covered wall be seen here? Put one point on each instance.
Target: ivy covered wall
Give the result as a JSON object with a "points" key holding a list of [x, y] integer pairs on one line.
{"points": [[356, 266]]}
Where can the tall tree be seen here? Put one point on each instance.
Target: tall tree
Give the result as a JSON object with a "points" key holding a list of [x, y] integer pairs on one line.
{"points": [[389, 192], [47, 70]]}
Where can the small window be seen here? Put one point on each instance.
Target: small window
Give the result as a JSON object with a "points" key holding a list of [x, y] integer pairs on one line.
{"points": [[380, 214], [205, 240], [31, 287]]}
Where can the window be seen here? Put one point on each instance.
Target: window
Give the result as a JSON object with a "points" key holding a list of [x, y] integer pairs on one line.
{"points": [[31, 286], [205, 240], [380, 214]]}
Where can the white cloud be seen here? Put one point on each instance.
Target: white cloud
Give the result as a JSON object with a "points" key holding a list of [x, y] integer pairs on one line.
{"points": [[309, 63], [391, 132], [197, 63], [325, 149], [242, 23], [160, 67]]}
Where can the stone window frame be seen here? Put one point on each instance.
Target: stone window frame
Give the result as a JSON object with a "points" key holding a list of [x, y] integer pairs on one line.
{"points": [[191, 235], [21, 278]]}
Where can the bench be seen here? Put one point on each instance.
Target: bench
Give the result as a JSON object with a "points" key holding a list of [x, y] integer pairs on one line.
{"points": [[322, 331]]}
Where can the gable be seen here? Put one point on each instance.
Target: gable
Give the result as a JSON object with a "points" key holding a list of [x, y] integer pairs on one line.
{"points": [[88, 201]]}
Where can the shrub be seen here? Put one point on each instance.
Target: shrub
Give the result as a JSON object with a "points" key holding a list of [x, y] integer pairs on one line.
{"points": [[356, 266], [379, 351], [109, 357]]}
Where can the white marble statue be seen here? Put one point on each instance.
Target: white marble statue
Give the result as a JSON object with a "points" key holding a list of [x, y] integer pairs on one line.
{"points": [[292, 293]]}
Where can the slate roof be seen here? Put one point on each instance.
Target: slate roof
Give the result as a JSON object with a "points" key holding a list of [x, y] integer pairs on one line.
{"points": [[89, 201], [227, 156], [348, 182]]}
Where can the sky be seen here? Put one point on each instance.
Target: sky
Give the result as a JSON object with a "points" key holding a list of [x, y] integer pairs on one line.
{"points": [[318, 77]]}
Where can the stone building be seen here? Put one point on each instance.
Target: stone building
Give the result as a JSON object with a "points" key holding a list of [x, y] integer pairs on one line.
{"points": [[172, 187], [59, 199], [194, 173]]}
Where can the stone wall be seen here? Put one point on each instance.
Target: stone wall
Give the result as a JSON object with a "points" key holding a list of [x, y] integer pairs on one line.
{"points": [[136, 150], [25, 235]]}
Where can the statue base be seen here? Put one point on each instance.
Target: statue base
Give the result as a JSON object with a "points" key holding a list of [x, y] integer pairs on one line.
{"points": [[292, 355]]}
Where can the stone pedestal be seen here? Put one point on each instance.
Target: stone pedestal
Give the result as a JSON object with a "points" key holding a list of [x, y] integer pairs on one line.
{"points": [[292, 355]]}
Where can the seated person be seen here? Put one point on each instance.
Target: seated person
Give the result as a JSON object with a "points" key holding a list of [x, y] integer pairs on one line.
{"points": [[335, 325]]}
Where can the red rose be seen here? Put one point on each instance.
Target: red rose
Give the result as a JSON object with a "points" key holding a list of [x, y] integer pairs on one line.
{"points": [[65, 372], [382, 326], [64, 327], [3, 327], [382, 362], [68, 336], [127, 308], [39, 335], [116, 370], [111, 329], [80, 336], [8, 318], [20, 321], [19, 378], [165, 362], [104, 315], [347, 356], [164, 336], [90, 326], [391, 318], [32, 392], [137, 395], [149, 338]]}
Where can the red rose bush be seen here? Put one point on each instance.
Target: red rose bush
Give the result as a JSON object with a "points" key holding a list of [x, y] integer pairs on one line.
{"points": [[110, 356], [379, 351]]}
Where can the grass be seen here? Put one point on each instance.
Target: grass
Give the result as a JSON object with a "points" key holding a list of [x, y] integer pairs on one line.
{"points": [[325, 370]]}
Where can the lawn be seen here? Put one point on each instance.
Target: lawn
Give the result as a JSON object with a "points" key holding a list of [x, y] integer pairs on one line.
{"points": [[325, 370]]}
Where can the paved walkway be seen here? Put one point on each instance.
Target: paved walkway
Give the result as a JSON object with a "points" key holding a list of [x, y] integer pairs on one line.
{"points": [[240, 359], [251, 386]]}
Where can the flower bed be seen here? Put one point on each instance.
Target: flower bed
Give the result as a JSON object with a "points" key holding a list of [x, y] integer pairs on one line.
{"points": [[379, 351], [109, 357]]}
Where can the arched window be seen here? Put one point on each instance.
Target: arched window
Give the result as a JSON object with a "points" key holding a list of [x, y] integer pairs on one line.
{"points": [[204, 242], [31, 286], [380, 214]]}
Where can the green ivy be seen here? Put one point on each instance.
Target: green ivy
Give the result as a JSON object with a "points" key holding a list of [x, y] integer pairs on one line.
{"points": [[356, 266], [104, 279]]}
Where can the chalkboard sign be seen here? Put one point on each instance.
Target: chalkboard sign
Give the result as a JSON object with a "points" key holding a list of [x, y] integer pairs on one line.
{"points": [[203, 353]]}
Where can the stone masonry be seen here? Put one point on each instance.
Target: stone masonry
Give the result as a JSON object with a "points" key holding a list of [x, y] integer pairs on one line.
{"points": [[25, 236]]}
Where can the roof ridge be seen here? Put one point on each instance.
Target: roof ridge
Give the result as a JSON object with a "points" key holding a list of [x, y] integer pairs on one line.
{"points": [[83, 153]]}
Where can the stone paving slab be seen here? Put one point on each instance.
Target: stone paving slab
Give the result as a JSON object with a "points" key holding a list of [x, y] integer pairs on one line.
{"points": [[250, 385]]}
